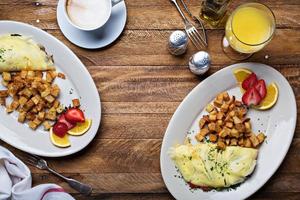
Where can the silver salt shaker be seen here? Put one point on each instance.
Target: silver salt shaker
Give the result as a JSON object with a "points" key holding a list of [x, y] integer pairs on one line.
{"points": [[199, 63], [177, 44]]}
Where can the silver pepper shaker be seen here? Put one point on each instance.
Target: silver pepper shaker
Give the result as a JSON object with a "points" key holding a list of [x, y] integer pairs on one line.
{"points": [[177, 44], [199, 63]]}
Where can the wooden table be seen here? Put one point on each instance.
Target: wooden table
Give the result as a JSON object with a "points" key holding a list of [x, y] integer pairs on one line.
{"points": [[141, 85]]}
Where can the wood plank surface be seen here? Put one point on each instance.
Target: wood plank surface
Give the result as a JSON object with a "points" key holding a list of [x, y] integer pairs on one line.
{"points": [[141, 85]]}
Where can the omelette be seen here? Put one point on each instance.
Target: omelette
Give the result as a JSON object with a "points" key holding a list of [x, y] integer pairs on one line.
{"points": [[204, 165], [22, 53]]}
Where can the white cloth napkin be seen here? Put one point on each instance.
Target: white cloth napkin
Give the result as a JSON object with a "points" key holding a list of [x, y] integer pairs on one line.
{"points": [[15, 182]]}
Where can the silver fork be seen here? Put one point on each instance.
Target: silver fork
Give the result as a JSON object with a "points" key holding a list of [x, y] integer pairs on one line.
{"points": [[190, 29], [42, 164]]}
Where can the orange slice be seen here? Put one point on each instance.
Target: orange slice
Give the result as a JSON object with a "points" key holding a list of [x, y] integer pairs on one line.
{"points": [[59, 141], [271, 98], [81, 128]]}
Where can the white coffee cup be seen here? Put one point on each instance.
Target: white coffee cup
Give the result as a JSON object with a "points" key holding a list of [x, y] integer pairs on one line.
{"points": [[88, 15]]}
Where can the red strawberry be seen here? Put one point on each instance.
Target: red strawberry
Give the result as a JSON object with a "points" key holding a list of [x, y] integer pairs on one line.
{"points": [[251, 97], [60, 129], [260, 86], [62, 119], [74, 115], [249, 82]]}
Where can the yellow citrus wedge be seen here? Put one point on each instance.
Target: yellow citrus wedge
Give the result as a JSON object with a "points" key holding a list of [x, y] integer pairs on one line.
{"points": [[59, 141], [270, 99], [241, 74], [81, 128]]}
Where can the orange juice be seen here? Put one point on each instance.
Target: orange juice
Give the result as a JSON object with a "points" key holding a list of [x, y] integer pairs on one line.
{"points": [[249, 28]]}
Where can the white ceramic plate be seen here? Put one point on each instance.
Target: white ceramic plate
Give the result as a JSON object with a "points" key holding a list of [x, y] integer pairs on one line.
{"points": [[78, 84], [278, 123]]}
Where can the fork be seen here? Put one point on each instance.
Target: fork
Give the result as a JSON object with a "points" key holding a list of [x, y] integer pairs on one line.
{"points": [[42, 164], [190, 29]]}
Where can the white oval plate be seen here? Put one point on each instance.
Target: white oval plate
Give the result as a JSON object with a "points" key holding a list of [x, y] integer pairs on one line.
{"points": [[78, 84], [278, 123]]}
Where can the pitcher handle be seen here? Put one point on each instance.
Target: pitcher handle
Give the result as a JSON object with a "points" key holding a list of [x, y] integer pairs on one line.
{"points": [[115, 2]]}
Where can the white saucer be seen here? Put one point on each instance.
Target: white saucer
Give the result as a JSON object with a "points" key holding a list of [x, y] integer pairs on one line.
{"points": [[98, 38]]}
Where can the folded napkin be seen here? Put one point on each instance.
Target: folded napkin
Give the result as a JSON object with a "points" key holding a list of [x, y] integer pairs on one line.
{"points": [[15, 182]]}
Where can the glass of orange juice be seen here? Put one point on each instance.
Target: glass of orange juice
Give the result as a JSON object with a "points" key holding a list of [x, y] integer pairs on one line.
{"points": [[249, 28]]}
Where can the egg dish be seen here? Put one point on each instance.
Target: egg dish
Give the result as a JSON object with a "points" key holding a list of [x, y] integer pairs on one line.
{"points": [[22, 53], [205, 165]]}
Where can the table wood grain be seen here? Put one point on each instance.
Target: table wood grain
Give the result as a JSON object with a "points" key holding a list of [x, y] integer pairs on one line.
{"points": [[141, 85]]}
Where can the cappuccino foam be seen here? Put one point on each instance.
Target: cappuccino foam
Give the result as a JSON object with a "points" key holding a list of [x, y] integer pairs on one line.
{"points": [[88, 14]]}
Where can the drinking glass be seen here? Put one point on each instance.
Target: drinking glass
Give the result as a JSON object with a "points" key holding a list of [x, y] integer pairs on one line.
{"points": [[249, 28]]}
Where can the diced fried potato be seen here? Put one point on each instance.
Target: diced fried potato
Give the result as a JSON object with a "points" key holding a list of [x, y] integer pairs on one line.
{"points": [[231, 107], [212, 126], [30, 74], [220, 122], [218, 103], [37, 121], [226, 96], [229, 124], [236, 120], [202, 123], [15, 104], [32, 125], [60, 109], [204, 131], [233, 142], [199, 137], [36, 99], [61, 75], [247, 126], [28, 105], [220, 115], [221, 145], [55, 90], [26, 92], [49, 77], [4, 83], [213, 137], [23, 74], [231, 113], [30, 116], [56, 104], [234, 133], [254, 140], [39, 75], [240, 127], [2, 101], [223, 133], [241, 141], [3, 93], [209, 107], [212, 117], [46, 92], [41, 115], [76, 103], [6, 76], [22, 117], [49, 98], [247, 143], [22, 100], [220, 97], [9, 109], [224, 107], [261, 137], [47, 125], [51, 115]]}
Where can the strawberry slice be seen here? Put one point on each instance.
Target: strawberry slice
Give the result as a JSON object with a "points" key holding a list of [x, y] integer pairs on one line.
{"points": [[74, 115], [260, 86], [251, 97], [249, 82], [62, 119]]}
